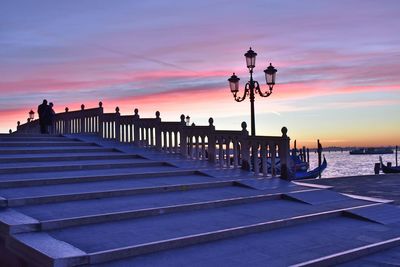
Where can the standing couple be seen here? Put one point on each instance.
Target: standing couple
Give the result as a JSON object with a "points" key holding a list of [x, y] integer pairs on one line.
{"points": [[46, 117]]}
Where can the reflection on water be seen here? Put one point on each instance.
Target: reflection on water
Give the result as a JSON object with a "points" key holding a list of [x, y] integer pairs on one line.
{"points": [[344, 164]]}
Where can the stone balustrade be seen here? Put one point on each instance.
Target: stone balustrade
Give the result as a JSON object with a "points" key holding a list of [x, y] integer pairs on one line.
{"points": [[226, 149]]}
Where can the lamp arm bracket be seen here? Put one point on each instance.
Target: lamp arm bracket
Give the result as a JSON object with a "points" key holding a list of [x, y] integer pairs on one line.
{"points": [[258, 90], [246, 92]]}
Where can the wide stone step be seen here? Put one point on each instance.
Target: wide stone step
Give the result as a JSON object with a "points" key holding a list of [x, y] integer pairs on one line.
{"points": [[295, 245], [63, 157], [54, 178], [54, 219], [112, 209], [184, 195], [78, 165], [133, 237], [19, 196], [47, 150], [45, 144]]}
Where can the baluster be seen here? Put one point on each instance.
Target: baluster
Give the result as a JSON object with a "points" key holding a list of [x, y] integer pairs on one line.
{"points": [[228, 152], [176, 142], [170, 148], [145, 137], [152, 137], [165, 145], [220, 152], [254, 152], [264, 159], [127, 134], [141, 136], [196, 145], [150, 141], [190, 144], [121, 137], [203, 147], [273, 159], [100, 126], [235, 153], [131, 126]]}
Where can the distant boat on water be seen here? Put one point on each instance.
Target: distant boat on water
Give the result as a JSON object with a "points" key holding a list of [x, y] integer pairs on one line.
{"points": [[371, 151]]}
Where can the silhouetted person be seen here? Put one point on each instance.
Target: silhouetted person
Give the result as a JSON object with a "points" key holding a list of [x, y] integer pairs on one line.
{"points": [[42, 110], [50, 118]]}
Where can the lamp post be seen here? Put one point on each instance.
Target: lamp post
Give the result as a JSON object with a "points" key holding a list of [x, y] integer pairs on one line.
{"points": [[252, 87], [31, 115]]}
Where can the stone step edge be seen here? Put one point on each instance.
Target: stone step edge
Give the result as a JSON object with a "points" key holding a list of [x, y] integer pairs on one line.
{"points": [[80, 166], [94, 178], [67, 158], [36, 138], [14, 202], [58, 150], [351, 254], [46, 144], [135, 250]]}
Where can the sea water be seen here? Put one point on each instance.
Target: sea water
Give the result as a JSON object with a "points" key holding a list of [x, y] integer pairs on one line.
{"points": [[343, 164]]}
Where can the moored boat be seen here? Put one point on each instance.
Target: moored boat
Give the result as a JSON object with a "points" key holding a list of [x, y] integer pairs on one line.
{"points": [[388, 169], [301, 175]]}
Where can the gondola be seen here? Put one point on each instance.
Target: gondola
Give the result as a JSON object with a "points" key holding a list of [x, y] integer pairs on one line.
{"points": [[301, 175], [387, 169], [299, 165]]}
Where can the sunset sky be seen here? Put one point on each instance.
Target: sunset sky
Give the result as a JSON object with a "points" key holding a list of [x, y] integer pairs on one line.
{"points": [[338, 63]]}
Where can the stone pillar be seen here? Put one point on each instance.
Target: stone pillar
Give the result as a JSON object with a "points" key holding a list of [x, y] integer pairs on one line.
{"points": [[245, 148], [99, 126], [117, 125], [183, 137], [284, 148], [82, 126], [211, 141], [136, 127], [158, 131]]}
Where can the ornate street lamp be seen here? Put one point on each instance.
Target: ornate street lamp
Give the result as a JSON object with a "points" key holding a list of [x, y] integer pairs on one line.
{"points": [[252, 87], [31, 115]]}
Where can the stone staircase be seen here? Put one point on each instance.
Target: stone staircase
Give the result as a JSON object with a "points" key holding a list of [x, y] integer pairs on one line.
{"points": [[83, 201]]}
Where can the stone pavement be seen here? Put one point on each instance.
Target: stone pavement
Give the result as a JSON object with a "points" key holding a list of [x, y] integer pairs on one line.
{"points": [[83, 201], [385, 186]]}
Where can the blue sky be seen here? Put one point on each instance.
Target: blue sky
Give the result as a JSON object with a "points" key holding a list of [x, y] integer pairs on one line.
{"points": [[338, 62]]}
